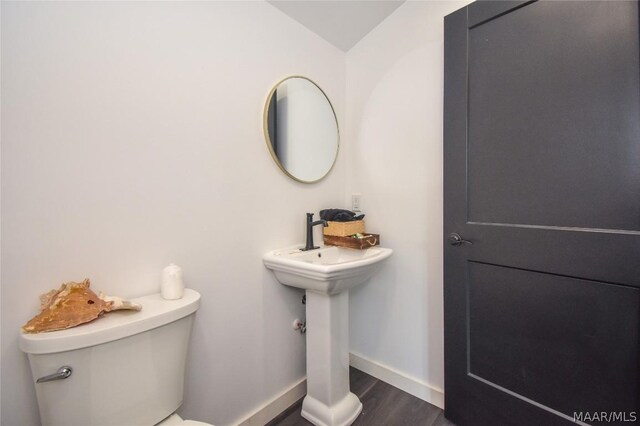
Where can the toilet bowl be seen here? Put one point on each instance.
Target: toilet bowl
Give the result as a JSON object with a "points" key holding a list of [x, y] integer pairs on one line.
{"points": [[124, 368]]}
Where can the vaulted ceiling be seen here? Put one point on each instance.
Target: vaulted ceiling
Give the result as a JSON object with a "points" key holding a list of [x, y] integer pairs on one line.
{"points": [[341, 22]]}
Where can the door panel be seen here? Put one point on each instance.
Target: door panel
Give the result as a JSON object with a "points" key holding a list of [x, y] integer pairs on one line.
{"points": [[545, 109], [542, 174], [550, 338]]}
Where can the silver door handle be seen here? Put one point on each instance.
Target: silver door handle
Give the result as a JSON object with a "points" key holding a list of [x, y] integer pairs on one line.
{"points": [[62, 373], [456, 240]]}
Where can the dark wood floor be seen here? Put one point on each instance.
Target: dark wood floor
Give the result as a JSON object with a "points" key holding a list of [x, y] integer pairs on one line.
{"points": [[382, 405]]}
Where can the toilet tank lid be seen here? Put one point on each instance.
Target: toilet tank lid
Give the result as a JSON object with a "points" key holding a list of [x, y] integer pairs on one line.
{"points": [[155, 312]]}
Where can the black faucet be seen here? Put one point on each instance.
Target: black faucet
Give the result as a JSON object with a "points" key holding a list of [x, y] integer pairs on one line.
{"points": [[310, 225]]}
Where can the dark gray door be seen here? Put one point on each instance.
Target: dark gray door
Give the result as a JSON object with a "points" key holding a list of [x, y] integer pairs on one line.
{"points": [[542, 176]]}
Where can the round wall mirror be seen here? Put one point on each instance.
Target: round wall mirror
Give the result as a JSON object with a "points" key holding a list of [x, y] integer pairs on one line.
{"points": [[301, 129]]}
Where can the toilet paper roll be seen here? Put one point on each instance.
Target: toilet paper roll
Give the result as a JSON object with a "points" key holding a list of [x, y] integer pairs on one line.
{"points": [[172, 286]]}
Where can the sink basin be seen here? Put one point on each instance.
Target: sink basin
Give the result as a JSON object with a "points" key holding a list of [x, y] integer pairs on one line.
{"points": [[328, 270]]}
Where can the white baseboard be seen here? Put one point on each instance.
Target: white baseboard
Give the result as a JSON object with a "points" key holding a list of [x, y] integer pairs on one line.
{"points": [[277, 405], [415, 387], [418, 388]]}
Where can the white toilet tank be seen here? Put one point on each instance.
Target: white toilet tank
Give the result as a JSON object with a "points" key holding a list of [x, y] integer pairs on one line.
{"points": [[127, 367]]}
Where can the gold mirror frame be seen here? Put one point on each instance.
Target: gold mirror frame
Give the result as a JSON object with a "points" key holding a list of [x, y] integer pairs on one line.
{"points": [[265, 128]]}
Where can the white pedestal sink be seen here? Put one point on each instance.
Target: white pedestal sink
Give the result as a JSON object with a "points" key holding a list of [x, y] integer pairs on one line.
{"points": [[327, 274]]}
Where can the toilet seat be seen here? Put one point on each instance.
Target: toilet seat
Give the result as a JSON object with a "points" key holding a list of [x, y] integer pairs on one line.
{"points": [[176, 420]]}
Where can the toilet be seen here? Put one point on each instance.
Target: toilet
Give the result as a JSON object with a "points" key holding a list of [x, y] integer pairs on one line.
{"points": [[126, 368]]}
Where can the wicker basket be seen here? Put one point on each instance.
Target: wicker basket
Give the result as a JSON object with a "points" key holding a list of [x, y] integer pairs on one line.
{"points": [[344, 229]]}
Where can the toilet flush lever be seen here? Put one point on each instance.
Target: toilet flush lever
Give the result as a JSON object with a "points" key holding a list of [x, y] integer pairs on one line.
{"points": [[456, 240], [62, 373]]}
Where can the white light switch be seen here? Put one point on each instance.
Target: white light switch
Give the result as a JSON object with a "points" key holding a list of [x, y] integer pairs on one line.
{"points": [[355, 202]]}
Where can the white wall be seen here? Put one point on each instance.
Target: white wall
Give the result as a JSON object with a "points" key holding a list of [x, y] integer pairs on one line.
{"points": [[394, 129], [132, 138]]}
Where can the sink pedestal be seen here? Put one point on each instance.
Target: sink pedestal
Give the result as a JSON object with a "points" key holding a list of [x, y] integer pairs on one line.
{"points": [[327, 274], [329, 401]]}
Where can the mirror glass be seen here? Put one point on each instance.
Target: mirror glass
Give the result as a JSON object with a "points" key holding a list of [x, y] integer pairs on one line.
{"points": [[301, 129]]}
